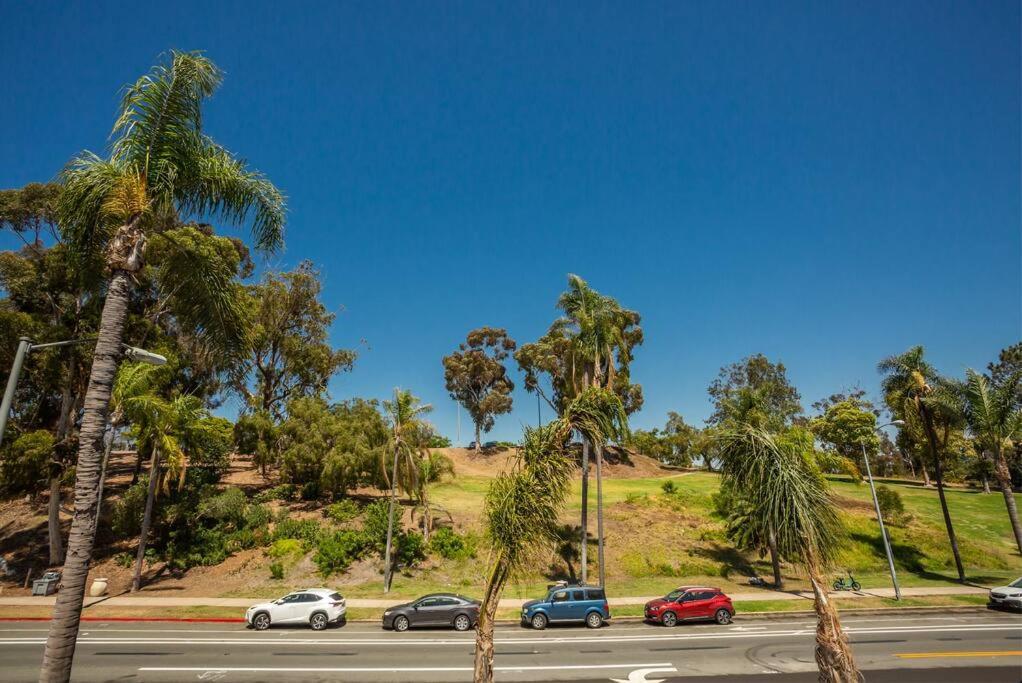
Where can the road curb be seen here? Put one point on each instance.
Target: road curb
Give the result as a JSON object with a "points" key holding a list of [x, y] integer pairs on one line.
{"points": [[184, 620]]}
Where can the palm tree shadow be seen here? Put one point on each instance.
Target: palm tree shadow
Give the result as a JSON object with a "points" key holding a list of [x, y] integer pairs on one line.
{"points": [[732, 560], [567, 551]]}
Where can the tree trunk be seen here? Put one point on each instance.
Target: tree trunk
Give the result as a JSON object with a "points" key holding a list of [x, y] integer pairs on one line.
{"points": [[53, 523], [487, 614], [926, 475], [147, 520], [833, 654], [584, 548], [775, 559], [136, 472], [986, 484], [479, 438], [387, 568], [1004, 480], [938, 472], [63, 633], [599, 514]]}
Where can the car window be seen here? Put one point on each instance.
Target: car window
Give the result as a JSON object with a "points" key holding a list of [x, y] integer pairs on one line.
{"points": [[336, 596], [688, 597], [596, 594], [446, 602], [577, 596], [703, 595], [428, 602], [559, 596], [1016, 584], [674, 595], [287, 599], [310, 597]]}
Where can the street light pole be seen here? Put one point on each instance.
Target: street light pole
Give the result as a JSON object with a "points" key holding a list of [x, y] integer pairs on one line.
{"points": [[880, 517], [24, 344]]}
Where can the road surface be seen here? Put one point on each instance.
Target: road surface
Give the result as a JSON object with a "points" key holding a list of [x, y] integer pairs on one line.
{"points": [[901, 649]]}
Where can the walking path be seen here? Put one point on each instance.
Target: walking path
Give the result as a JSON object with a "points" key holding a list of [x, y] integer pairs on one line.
{"points": [[135, 601]]}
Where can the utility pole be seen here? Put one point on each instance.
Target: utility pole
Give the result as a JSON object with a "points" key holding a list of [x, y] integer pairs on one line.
{"points": [[880, 517], [24, 344]]}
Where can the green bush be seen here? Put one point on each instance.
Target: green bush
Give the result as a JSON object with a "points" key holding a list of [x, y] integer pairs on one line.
{"points": [[281, 492], [305, 530], [336, 553], [24, 465], [286, 548], [449, 544], [411, 548], [225, 508], [374, 522], [127, 516], [669, 487], [343, 511], [891, 505], [276, 571]]}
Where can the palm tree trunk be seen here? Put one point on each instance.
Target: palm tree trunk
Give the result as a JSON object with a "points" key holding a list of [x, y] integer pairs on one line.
{"points": [[938, 472], [387, 569], [599, 514], [53, 523], [584, 547], [1004, 480], [487, 615], [833, 653], [775, 559], [63, 634], [147, 520]]}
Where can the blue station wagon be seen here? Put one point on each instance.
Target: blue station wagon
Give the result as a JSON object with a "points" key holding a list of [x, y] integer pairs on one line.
{"points": [[587, 604]]}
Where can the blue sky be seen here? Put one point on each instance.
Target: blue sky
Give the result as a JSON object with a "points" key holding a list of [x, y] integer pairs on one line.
{"points": [[824, 183]]}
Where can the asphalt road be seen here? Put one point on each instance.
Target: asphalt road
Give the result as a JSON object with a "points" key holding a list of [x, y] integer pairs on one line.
{"points": [[952, 647]]}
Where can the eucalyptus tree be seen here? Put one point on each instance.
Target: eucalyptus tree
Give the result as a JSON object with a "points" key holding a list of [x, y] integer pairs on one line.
{"points": [[908, 389], [476, 377], [161, 165], [405, 412], [993, 417], [590, 345], [779, 483], [523, 502]]}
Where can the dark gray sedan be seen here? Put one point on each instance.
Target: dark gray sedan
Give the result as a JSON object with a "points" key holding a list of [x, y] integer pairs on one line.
{"points": [[437, 609]]}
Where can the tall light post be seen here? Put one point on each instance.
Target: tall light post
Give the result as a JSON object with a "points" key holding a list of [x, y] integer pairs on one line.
{"points": [[880, 517], [25, 345]]}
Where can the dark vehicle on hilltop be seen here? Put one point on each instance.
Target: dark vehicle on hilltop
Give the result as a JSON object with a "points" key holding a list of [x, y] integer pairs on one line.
{"points": [[691, 603], [565, 603], [437, 609]]}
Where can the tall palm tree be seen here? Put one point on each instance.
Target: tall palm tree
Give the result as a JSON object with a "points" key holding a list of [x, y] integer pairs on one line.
{"points": [[993, 416], [777, 477], [907, 383], [161, 165], [406, 413], [599, 330], [523, 503]]}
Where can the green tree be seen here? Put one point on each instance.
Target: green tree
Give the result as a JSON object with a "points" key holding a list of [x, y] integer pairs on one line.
{"points": [[994, 419], [523, 503], [777, 477], [754, 391], [844, 429], [477, 379], [908, 391], [160, 165]]}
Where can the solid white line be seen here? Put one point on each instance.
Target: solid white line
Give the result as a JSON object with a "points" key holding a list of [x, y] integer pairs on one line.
{"points": [[366, 669]]}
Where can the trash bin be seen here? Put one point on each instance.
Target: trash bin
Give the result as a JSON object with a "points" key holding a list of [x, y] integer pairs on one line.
{"points": [[47, 585]]}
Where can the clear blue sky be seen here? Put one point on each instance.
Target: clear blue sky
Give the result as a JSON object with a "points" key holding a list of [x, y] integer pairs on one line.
{"points": [[827, 183]]}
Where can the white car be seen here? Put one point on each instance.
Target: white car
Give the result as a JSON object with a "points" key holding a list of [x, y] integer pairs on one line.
{"points": [[1009, 596], [317, 607]]}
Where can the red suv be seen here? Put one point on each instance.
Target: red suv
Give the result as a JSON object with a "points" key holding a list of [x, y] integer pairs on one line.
{"points": [[691, 603]]}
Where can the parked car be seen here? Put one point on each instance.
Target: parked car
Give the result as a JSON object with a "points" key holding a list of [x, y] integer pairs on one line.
{"points": [[436, 609], [691, 603], [317, 607], [1007, 597], [587, 604]]}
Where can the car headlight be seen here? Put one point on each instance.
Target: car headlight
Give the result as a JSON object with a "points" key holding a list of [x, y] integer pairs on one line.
{"points": [[386, 613]]}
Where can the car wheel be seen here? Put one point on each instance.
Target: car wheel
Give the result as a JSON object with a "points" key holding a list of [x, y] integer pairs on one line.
{"points": [[539, 622], [318, 621], [669, 619], [401, 623], [594, 620], [462, 623], [261, 621], [856, 586], [722, 617]]}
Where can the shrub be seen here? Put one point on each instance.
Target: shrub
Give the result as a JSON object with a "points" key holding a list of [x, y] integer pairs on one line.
{"points": [[411, 548], [276, 571], [669, 487], [286, 548], [225, 508], [305, 530], [281, 492], [447, 543], [127, 517], [257, 517], [374, 522], [343, 511], [635, 498], [124, 560], [336, 553], [891, 505], [24, 466]]}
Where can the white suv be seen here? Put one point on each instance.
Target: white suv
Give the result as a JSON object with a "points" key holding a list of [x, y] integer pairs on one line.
{"points": [[316, 607]]}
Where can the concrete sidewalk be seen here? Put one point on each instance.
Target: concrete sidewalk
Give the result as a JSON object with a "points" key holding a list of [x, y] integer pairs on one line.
{"points": [[158, 601]]}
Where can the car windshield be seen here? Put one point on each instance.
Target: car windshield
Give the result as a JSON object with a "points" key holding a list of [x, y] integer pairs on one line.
{"points": [[1017, 583], [674, 595]]}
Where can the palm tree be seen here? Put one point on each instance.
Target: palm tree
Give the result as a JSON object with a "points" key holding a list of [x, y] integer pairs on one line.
{"points": [[161, 165], [405, 415], [523, 503], [908, 384], [994, 418], [777, 476]]}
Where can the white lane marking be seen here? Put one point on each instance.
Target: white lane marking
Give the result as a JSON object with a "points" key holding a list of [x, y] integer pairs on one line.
{"points": [[395, 669], [98, 640], [639, 675]]}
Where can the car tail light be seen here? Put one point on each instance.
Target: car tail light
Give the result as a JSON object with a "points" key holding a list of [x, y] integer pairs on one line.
{"points": [[606, 607], [337, 603]]}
